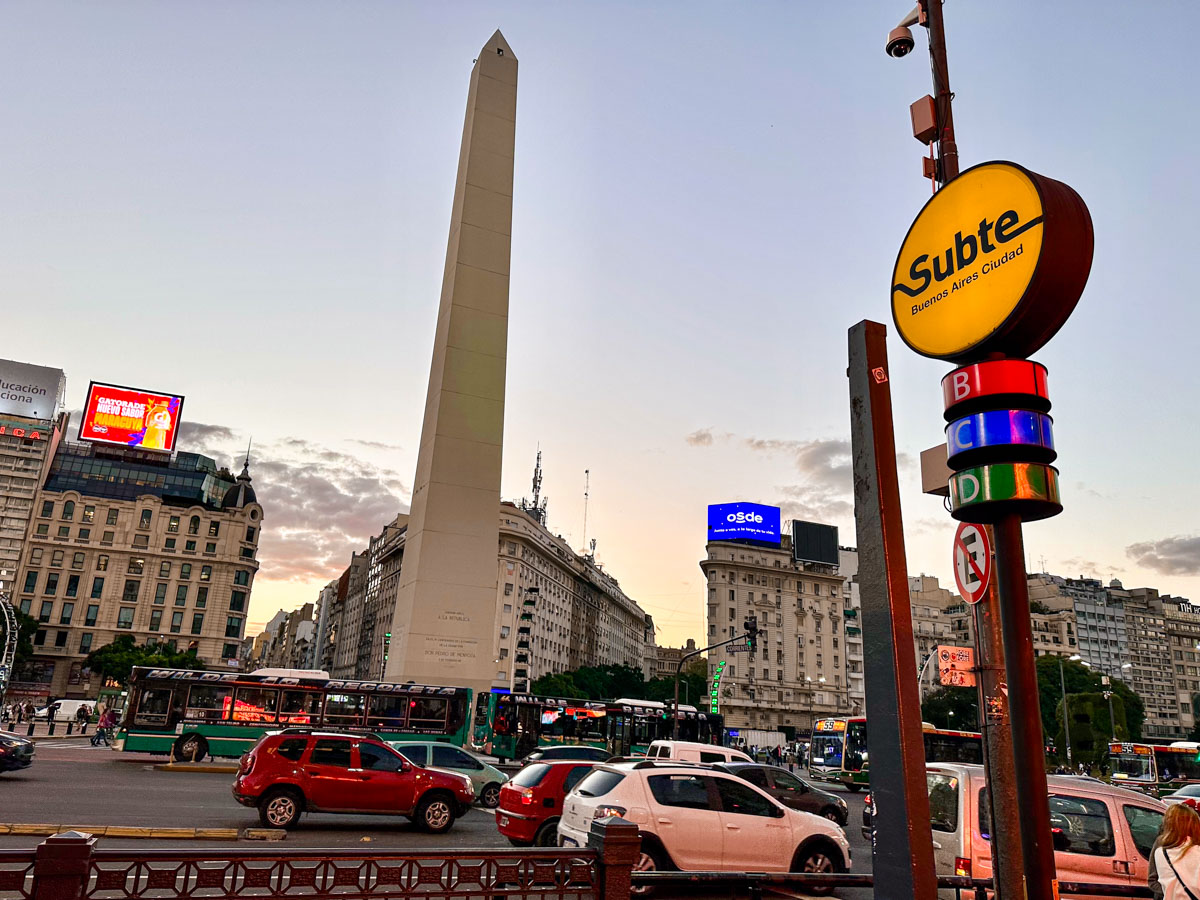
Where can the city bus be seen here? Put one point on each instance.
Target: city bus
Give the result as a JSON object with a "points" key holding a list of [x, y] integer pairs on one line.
{"points": [[194, 714], [509, 726], [838, 750], [1155, 766], [633, 724]]}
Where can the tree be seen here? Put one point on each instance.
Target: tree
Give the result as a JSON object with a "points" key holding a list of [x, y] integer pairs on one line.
{"points": [[27, 627], [961, 701], [115, 661], [1081, 680], [557, 685]]}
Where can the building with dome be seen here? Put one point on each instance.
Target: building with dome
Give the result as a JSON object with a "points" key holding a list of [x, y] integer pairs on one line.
{"points": [[121, 540]]}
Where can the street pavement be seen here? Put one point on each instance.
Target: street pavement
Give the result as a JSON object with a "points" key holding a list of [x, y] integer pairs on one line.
{"points": [[73, 783]]}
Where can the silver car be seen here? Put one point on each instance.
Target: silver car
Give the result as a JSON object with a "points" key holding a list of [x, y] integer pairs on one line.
{"points": [[485, 779]]}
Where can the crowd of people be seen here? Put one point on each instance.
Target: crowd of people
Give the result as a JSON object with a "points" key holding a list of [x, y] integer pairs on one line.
{"points": [[21, 712]]}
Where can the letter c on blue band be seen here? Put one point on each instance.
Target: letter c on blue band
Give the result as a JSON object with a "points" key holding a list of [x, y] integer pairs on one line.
{"points": [[1014, 435]]}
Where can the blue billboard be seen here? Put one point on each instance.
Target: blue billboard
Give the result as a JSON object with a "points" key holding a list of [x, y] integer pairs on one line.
{"points": [[743, 522]]}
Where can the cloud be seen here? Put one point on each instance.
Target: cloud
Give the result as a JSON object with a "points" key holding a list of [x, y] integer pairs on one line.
{"points": [[375, 445], [702, 437], [319, 504], [192, 433], [1169, 556], [826, 492]]}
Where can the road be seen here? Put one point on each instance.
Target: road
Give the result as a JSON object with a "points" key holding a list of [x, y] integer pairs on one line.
{"points": [[73, 783]]}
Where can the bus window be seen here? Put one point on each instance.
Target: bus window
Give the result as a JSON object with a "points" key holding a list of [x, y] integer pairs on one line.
{"points": [[344, 709], [255, 705], [300, 708], [154, 706], [387, 712], [427, 713], [207, 702]]}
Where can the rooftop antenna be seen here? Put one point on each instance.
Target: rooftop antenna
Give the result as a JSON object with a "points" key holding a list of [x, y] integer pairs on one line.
{"points": [[587, 483], [536, 509]]}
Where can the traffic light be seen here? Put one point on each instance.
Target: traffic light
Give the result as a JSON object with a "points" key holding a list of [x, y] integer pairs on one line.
{"points": [[751, 626]]}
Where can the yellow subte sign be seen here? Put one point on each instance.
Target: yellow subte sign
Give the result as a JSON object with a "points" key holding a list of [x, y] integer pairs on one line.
{"points": [[974, 276]]}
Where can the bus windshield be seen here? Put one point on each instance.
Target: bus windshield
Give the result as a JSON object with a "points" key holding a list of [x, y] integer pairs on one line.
{"points": [[827, 750], [1129, 766]]}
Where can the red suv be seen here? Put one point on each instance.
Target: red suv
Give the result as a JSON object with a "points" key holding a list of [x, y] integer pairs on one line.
{"points": [[294, 771], [531, 803]]}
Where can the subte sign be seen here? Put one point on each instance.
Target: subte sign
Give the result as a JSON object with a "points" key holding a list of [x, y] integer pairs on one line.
{"points": [[972, 561]]}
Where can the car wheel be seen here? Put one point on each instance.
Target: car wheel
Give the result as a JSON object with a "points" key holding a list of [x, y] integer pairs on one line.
{"points": [[832, 815], [853, 788], [547, 835], [435, 814], [280, 808], [817, 860], [490, 796], [650, 859], [189, 748]]}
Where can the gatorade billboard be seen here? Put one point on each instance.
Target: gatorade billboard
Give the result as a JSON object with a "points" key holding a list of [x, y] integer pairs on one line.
{"points": [[130, 417]]}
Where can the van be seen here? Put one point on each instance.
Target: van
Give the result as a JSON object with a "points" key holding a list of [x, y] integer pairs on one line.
{"points": [[1102, 834], [687, 751], [66, 710]]}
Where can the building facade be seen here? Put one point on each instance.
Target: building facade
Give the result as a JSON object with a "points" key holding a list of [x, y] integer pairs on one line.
{"points": [[1182, 621], [856, 683], [666, 660], [130, 542], [932, 621], [1152, 676], [290, 640], [798, 672]]}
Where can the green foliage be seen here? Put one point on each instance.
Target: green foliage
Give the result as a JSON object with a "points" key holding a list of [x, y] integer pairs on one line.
{"points": [[559, 685], [27, 627], [1039, 608], [115, 661], [1091, 728], [962, 701], [1085, 683]]}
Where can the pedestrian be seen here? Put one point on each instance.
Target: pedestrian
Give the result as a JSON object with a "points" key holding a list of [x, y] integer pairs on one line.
{"points": [[81, 714], [103, 729], [1175, 862]]}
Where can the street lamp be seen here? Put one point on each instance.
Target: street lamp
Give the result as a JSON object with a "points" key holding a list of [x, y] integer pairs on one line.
{"points": [[1062, 679], [812, 702], [1108, 696]]}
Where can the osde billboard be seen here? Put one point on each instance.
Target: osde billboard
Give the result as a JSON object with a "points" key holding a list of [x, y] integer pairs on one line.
{"points": [[130, 417], [743, 522]]}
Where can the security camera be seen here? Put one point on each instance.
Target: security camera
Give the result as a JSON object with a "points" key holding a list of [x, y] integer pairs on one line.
{"points": [[900, 42]]}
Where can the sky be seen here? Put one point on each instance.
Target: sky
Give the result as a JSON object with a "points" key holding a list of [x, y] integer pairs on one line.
{"points": [[248, 204]]}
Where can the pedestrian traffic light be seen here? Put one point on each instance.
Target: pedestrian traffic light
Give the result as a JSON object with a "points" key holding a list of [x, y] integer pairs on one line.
{"points": [[751, 626]]}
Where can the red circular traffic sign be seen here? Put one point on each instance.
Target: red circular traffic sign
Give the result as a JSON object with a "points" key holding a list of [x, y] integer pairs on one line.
{"points": [[972, 561]]}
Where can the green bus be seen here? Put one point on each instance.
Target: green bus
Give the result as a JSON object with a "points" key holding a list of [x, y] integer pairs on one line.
{"points": [[509, 726], [633, 724], [195, 714]]}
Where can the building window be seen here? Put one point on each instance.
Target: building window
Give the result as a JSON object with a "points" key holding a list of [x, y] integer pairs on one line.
{"points": [[169, 544], [64, 531], [46, 611], [176, 622], [64, 616], [214, 529], [47, 509], [56, 559], [233, 627], [201, 597], [508, 589], [206, 573], [241, 576], [141, 541], [30, 582], [89, 514], [237, 601], [181, 595], [101, 563], [164, 570], [111, 518], [76, 560], [51, 584], [247, 553], [68, 512], [85, 642], [197, 623], [189, 547], [130, 594], [155, 619], [173, 525], [185, 571], [43, 530], [85, 534], [160, 594], [25, 604], [144, 521], [97, 588], [72, 586], [35, 556], [89, 617], [229, 651], [194, 525], [137, 565], [125, 616], [39, 639], [210, 548], [106, 537], [252, 533]]}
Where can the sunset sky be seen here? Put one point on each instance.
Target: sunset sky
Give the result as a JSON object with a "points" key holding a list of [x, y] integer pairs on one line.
{"points": [[248, 203]]}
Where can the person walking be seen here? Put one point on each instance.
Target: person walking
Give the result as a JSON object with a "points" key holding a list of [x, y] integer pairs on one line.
{"points": [[103, 729], [82, 714], [1175, 861]]}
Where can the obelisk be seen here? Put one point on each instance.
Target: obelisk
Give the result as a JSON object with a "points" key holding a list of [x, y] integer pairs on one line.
{"points": [[442, 632]]}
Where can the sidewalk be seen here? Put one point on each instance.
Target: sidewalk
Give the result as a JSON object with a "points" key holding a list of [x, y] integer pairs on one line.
{"points": [[41, 730]]}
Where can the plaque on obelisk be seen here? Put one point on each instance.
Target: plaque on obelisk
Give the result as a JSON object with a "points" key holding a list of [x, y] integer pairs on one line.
{"points": [[442, 632]]}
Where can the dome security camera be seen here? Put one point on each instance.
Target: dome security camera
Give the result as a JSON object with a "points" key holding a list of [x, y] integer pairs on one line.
{"points": [[899, 42]]}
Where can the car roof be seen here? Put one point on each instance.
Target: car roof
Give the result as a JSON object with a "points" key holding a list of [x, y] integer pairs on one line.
{"points": [[1061, 782]]}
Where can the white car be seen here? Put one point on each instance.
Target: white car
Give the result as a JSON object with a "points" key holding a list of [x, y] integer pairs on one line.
{"points": [[695, 818], [1187, 792]]}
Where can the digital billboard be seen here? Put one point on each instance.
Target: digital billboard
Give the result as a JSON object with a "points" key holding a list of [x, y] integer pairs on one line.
{"points": [[130, 417], [33, 392], [812, 542], [743, 522]]}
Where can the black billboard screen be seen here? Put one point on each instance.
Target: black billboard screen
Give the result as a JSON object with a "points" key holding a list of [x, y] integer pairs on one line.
{"points": [[815, 543]]}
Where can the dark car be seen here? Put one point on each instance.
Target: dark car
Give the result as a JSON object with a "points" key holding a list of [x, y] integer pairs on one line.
{"points": [[531, 802], [294, 771], [790, 790], [567, 751], [16, 752]]}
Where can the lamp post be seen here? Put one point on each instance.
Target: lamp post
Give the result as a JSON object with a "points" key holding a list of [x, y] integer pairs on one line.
{"points": [[1062, 679], [1112, 721], [812, 702]]}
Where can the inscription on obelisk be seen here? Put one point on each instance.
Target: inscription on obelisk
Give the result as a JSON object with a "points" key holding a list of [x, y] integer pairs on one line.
{"points": [[446, 603]]}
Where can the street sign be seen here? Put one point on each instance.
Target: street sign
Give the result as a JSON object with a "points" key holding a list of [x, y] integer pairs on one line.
{"points": [[972, 561], [956, 665]]}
